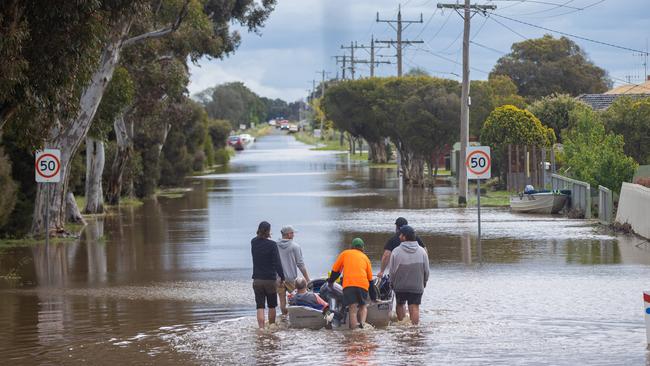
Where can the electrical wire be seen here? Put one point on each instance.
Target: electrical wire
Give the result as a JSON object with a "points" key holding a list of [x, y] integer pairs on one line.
{"points": [[567, 34]]}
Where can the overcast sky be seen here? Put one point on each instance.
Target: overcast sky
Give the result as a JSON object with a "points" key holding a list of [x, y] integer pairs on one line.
{"points": [[301, 36]]}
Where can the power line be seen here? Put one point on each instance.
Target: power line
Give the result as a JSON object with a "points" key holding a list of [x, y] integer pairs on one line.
{"points": [[568, 34], [510, 29], [488, 47]]}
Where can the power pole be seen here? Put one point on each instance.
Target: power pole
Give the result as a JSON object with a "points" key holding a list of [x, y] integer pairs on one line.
{"points": [[469, 11], [372, 61], [399, 28], [342, 60], [322, 94], [351, 47]]}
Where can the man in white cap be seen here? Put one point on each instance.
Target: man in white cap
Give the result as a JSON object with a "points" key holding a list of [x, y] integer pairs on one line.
{"points": [[291, 258]]}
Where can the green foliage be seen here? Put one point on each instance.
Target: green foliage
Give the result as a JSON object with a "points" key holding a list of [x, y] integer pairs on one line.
{"points": [[631, 119], [497, 91], [511, 125], [555, 111], [606, 165], [236, 103], [545, 66], [219, 130], [7, 189], [118, 95]]}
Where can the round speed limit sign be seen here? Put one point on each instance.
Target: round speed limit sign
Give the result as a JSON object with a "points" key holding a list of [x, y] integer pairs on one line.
{"points": [[48, 166], [478, 162]]}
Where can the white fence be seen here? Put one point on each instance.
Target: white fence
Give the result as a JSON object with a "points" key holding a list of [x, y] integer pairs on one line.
{"points": [[634, 208], [605, 205], [580, 192]]}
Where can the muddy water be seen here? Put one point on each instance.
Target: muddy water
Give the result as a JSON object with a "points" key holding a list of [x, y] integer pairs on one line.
{"points": [[169, 282]]}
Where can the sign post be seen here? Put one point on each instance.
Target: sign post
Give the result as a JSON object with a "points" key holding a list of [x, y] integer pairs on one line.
{"points": [[646, 308], [48, 170], [479, 166]]}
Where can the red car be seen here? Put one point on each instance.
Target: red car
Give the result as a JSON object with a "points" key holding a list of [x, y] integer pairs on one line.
{"points": [[236, 142]]}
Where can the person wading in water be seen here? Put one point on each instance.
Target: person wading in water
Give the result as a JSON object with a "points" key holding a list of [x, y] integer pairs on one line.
{"points": [[266, 269]]}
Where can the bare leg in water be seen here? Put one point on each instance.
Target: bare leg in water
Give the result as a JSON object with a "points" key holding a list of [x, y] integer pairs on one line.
{"points": [[414, 313], [260, 318], [352, 316], [363, 313], [271, 315], [400, 310]]}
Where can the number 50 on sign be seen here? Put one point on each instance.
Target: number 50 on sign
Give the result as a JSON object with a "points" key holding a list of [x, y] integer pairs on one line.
{"points": [[48, 166], [478, 162]]}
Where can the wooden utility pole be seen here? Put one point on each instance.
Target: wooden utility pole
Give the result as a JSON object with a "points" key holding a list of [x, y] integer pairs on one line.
{"points": [[351, 47], [468, 9], [399, 27], [342, 60], [322, 94], [371, 50]]}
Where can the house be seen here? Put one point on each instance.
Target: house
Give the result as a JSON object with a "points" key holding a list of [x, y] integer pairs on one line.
{"points": [[601, 102]]}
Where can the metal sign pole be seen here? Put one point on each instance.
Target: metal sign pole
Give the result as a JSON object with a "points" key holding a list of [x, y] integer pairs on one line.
{"points": [[478, 200]]}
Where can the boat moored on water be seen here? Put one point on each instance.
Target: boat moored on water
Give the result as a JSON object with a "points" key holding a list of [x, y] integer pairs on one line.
{"points": [[542, 202]]}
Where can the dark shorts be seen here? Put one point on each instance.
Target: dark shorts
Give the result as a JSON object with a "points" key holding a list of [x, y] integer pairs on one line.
{"points": [[354, 295], [265, 290], [410, 297]]}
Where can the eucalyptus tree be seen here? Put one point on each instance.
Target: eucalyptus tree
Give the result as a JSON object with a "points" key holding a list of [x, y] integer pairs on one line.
{"points": [[130, 24]]}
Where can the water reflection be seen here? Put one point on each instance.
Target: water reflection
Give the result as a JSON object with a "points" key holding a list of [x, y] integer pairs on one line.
{"points": [[168, 282]]}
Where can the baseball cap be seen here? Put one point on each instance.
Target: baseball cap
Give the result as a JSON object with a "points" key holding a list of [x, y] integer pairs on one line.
{"points": [[288, 229], [401, 222], [407, 230], [357, 243]]}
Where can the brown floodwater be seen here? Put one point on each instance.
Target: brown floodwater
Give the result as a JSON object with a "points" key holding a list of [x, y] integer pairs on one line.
{"points": [[169, 282]]}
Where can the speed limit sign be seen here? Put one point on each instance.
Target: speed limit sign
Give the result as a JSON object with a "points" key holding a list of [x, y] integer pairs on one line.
{"points": [[478, 162], [48, 166]]}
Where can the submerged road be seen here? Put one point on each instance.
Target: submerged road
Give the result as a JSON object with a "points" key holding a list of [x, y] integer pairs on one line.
{"points": [[169, 282]]}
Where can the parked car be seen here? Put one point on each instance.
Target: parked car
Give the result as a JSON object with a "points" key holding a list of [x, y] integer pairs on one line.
{"points": [[284, 124], [236, 142], [246, 138], [293, 128]]}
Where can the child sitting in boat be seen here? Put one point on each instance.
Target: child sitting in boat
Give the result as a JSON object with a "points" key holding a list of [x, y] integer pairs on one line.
{"points": [[303, 297]]}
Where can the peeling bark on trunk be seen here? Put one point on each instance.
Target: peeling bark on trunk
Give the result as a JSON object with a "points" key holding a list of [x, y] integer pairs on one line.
{"points": [[94, 170], [122, 156], [377, 152], [67, 136], [72, 213], [412, 167]]}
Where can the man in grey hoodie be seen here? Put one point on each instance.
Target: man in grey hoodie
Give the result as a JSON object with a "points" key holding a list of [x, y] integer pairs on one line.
{"points": [[291, 258], [409, 272]]}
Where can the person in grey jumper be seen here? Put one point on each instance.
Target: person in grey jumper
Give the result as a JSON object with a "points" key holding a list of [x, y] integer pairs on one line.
{"points": [[409, 273], [291, 258]]}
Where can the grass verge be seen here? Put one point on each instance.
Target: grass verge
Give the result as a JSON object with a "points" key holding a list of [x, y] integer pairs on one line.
{"points": [[490, 198]]}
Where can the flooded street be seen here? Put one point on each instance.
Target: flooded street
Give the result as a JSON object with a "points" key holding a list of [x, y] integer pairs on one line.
{"points": [[169, 282]]}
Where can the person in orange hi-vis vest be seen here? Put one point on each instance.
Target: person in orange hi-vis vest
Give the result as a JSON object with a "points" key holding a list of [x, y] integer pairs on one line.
{"points": [[357, 274]]}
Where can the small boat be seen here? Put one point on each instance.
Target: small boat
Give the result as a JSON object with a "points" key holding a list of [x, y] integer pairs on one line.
{"points": [[546, 202], [379, 310]]}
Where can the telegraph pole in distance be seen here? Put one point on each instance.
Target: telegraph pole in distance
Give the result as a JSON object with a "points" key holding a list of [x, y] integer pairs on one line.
{"points": [[399, 28], [372, 61], [342, 60], [464, 111], [351, 47], [322, 94]]}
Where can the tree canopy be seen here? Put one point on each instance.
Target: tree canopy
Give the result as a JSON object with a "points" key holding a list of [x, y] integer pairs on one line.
{"points": [[555, 111], [547, 65], [631, 119]]}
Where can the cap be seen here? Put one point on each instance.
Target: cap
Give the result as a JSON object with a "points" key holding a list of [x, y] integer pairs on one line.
{"points": [[401, 222], [357, 243], [407, 230], [288, 229]]}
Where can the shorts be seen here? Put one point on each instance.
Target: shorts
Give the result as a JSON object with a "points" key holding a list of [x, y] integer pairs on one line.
{"points": [[410, 297], [265, 290], [354, 295], [289, 286]]}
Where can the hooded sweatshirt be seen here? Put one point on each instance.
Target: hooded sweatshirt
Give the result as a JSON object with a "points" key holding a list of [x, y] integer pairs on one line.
{"points": [[291, 258], [266, 261], [409, 268]]}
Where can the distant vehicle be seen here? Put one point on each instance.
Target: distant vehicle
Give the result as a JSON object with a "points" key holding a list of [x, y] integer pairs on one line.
{"points": [[272, 122], [236, 142], [246, 138], [293, 128], [284, 124]]}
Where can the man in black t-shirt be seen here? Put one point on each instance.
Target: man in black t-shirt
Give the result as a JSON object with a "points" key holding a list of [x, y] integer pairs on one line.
{"points": [[393, 243]]}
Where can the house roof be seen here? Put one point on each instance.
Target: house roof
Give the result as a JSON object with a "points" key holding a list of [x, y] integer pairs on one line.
{"points": [[601, 102], [643, 88]]}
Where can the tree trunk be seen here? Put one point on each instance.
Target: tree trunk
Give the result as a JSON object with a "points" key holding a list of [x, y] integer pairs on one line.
{"points": [[94, 170], [377, 152], [72, 213], [68, 136], [122, 156], [412, 167]]}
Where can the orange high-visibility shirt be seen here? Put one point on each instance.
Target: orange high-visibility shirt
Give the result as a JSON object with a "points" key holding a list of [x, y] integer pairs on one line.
{"points": [[356, 268]]}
